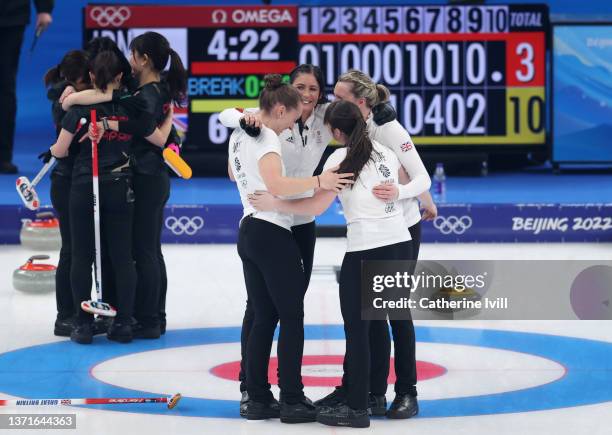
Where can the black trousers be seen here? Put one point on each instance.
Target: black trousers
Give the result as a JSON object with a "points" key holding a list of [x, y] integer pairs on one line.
{"points": [[60, 199], [10, 48], [151, 193], [404, 342], [305, 237], [163, 276], [116, 214], [356, 377], [275, 286]]}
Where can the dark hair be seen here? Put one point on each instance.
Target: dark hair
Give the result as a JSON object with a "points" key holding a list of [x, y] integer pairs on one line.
{"points": [[104, 43], [346, 117], [105, 67], [276, 91], [74, 66], [307, 68], [157, 48]]}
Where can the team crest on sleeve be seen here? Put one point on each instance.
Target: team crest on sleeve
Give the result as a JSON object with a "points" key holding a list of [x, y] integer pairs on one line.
{"points": [[384, 171], [405, 147]]}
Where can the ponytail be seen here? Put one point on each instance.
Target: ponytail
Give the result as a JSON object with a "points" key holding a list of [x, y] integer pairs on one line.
{"points": [[346, 117], [383, 93], [177, 78], [158, 49]]}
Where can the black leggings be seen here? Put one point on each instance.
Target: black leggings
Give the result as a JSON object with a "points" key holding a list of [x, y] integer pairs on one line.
{"points": [[151, 193], [357, 331], [404, 342], [305, 237], [275, 286], [116, 211], [60, 198]]}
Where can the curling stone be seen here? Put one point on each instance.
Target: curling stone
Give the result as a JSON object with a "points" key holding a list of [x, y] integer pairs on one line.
{"points": [[35, 278], [41, 233]]}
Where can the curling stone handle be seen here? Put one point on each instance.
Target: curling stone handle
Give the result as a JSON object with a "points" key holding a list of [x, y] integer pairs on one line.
{"points": [[45, 215], [38, 257]]}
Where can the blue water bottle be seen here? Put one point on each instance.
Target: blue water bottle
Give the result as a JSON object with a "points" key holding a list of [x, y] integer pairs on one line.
{"points": [[439, 184]]}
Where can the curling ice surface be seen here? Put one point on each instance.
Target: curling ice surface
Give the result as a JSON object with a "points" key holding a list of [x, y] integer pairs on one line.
{"points": [[207, 291]]}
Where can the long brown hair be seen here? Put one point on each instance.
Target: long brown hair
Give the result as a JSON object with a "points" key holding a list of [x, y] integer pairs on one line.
{"points": [[346, 117]]}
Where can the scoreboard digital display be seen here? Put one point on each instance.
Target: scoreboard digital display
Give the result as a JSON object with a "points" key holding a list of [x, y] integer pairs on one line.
{"points": [[458, 75]]}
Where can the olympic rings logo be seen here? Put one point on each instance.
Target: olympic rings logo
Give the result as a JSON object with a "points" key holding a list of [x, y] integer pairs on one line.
{"points": [[109, 15], [184, 225], [452, 224]]}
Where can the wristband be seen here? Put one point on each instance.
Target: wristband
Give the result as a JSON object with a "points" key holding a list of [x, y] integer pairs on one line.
{"points": [[105, 124]]}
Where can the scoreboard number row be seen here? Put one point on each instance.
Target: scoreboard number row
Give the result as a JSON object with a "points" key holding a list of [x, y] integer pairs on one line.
{"points": [[413, 64], [414, 19]]}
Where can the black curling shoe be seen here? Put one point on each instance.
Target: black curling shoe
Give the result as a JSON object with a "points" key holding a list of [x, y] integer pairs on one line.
{"points": [[403, 406], [101, 324], [146, 331], [82, 334], [302, 412], [63, 327], [244, 406], [252, 410], [377, 405], [244, 401], [120, 332], [335, 398], [343, 415]]}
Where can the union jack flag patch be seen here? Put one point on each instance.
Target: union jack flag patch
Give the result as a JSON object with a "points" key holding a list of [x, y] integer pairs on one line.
{"points": [[406, 147]]}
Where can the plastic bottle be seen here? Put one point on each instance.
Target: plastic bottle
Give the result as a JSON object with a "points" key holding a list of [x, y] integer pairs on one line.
{"points": [[439, 184]]}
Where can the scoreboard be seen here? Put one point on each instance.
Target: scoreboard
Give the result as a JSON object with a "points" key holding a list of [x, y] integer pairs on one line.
{"points": [[458, 75]]}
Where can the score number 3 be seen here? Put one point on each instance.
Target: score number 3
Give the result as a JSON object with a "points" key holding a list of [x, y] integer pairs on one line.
{"points": [[525, 51]]}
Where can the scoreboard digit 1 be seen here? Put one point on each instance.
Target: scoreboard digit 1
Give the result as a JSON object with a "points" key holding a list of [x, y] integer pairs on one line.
{"points": [[459, 75]]}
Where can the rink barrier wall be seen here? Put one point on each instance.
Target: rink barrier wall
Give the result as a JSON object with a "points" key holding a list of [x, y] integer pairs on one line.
{"points": [[456, 223]]}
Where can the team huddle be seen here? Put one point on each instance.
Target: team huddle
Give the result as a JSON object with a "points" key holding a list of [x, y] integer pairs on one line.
{"points": [[377, 176], [273, 153], [133, 101]]}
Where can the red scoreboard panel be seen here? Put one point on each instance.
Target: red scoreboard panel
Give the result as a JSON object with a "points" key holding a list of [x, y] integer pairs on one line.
{"points": [[459, 75]]}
